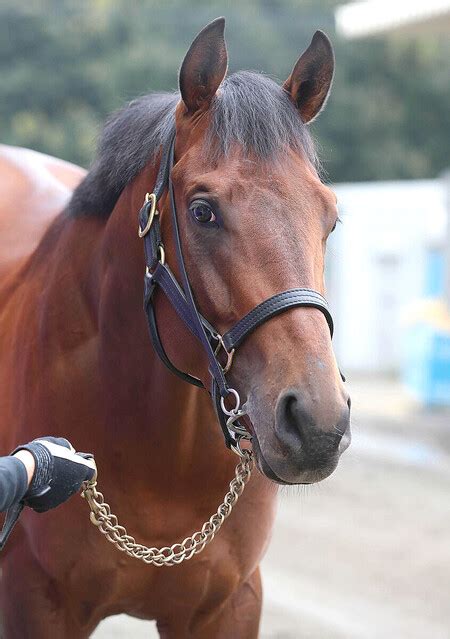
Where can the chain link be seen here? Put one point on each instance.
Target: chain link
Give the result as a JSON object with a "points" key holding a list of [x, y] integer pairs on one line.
{"points": [[108, 524]]}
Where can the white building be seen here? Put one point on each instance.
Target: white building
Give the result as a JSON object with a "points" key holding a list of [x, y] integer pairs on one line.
{"points": [[375, 17], [378, 260], [377, 264]]}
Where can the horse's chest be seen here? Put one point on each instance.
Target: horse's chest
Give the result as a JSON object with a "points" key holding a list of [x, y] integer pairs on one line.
{"points": [[100, 578]]}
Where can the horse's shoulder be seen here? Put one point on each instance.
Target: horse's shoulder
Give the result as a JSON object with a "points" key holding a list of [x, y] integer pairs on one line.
{"points": [[34, 188]]}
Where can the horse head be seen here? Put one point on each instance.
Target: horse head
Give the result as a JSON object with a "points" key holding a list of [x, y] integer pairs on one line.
{"points": [[254, 221]]}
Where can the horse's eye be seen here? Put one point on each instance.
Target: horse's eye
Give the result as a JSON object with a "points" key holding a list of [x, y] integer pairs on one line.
{"points": [[202, 212], [338, 221]]}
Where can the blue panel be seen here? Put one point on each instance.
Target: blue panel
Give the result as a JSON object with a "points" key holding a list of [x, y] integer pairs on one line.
{"points": [[435, 274], [426, 366]]}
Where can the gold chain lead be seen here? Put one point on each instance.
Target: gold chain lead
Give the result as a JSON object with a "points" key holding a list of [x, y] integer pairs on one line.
{"points": [[108, 524]]}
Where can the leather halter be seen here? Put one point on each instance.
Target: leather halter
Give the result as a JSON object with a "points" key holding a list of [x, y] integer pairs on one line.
{"points": [[158, 274]]}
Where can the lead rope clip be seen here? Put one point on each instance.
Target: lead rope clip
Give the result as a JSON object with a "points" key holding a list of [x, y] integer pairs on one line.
{"points": [[234, 414]]}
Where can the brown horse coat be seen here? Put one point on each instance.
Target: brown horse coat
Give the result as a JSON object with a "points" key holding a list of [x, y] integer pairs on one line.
{"points": [[41, 185]]}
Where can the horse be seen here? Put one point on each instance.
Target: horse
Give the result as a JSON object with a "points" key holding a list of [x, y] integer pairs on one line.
{"points": [[76, 359], [43, 185]]}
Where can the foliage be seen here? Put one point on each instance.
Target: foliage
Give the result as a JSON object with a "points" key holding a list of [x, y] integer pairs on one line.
{"points": [[65, 64]]}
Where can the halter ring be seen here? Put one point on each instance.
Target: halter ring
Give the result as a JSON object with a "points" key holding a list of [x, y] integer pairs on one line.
{"points": [[161, 254], [161, 260], [234, 410], [229, 354]]}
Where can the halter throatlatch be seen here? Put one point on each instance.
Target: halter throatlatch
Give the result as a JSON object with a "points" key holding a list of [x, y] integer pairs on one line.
{"points": [[158, 274]]}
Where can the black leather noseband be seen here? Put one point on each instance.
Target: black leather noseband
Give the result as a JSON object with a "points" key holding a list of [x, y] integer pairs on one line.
{"points": [[159, 275]]}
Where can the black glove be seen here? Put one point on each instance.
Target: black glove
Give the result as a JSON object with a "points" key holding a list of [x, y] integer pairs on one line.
{"points": [[59, 472]]}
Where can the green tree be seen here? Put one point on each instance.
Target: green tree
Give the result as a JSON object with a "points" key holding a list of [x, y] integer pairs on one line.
{"points": [[65, 64]]}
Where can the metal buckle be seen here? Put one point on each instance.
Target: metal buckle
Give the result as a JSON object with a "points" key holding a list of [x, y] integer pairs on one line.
{"points": [[149, 197], [229, 355]]}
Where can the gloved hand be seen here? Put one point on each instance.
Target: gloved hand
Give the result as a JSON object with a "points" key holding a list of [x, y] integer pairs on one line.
{"points": [[59, 472]]}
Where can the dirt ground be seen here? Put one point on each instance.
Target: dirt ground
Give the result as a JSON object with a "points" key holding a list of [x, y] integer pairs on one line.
{"points": [[366, 553]]}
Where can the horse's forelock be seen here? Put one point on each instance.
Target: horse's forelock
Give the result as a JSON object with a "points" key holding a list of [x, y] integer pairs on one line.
{"points": [[256, 113]]}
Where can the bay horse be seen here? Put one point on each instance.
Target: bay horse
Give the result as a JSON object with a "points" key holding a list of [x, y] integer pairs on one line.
{"points": [[76, 359], [43, 185]]}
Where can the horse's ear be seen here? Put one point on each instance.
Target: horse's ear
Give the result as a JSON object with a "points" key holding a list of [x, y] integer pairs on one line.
{"points": [[310, 81], [204, 67]]}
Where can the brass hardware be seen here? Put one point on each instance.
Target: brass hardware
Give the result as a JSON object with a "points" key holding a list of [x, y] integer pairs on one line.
{"points": [[161, 254], [230, 354], [149, 197], [161, 259]]}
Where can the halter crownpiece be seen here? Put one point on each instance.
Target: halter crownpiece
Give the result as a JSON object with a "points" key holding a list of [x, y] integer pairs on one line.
{"points": [[158, 274]]}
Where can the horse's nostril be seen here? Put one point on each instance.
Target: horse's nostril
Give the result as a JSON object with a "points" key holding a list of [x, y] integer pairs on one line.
{"points": [[299, 426], [349, 403], [290, 416]]}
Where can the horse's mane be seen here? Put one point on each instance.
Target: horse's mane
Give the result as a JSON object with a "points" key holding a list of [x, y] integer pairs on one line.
{"points": [[250, 110]]}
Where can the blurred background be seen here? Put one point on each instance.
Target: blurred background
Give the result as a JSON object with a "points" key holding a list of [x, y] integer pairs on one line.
{"points": [[365, 554]]}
